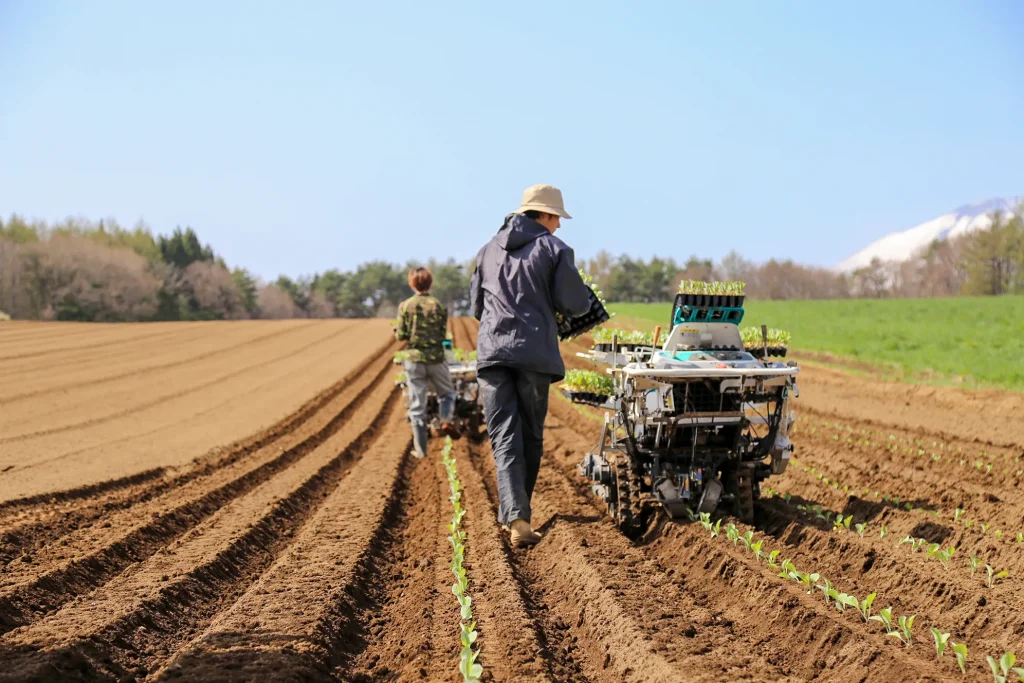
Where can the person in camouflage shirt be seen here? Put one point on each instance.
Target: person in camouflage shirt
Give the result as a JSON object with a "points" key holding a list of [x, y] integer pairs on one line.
{"points": [[423, 325]]}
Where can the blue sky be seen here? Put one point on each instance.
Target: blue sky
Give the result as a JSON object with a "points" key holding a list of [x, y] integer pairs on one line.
{"points": [[301, 136]]}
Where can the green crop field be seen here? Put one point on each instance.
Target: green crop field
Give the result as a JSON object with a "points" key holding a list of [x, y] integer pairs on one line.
{"points": [[973, 341]]}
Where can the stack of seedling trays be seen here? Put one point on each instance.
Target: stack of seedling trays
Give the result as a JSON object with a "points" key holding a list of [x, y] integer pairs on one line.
{"points": [[708, 302], [754, 343], [630, 341], [587, 387], [570, 328]]}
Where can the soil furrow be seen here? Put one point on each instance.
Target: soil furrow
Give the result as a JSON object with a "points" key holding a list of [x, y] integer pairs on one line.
{"points": [[130, 625], [627, 621], [518, 641], [401, 618], [25, 595], [293, 622], [64, 502]]}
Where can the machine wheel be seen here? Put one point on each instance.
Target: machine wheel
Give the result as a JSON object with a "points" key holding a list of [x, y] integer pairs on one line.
{"points": [[626, 508], [740, 484]]}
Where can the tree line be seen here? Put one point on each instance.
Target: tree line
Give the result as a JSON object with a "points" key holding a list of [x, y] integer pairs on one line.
{"points": [[100, 271]]}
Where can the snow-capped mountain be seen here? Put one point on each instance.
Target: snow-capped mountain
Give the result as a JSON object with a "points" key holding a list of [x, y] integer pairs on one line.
{"points": [[899, 246]]}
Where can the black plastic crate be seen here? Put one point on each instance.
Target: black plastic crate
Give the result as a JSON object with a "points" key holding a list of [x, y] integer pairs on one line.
{"points": [[569, 328]]}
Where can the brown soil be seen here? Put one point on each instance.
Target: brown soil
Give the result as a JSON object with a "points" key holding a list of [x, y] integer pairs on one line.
{"points": [[237, 502]]}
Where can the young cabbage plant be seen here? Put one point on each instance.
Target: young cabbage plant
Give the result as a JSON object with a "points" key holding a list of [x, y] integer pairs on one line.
{"points": [[771, 559], [883, 532], [995, 577], [884, 617], [470, 670], [864, 607], [842, 523], [974, 562], [748, 540], [787, 568], [861, 528], [941, 640], [827, 590], [1003, 667], [960, 650], [755, 548], [945, 556], [958, 514], [906, 630]]}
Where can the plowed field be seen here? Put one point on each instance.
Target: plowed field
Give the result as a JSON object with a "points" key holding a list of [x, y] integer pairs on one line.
{"points": [[237, 502]]}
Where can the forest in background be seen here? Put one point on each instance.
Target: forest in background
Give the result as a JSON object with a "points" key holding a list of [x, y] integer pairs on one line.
{"points": [[85, 270]]}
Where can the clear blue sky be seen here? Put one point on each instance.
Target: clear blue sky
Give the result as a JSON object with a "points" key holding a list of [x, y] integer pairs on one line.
{"points": [[301, 136]]}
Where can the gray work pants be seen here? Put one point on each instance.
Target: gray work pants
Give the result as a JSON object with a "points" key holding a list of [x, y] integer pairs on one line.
{"points": [[420, 378], [515, 406]]}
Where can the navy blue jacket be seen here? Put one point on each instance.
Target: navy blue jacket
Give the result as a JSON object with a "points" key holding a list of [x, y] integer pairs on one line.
{"points": [[522, 276]]}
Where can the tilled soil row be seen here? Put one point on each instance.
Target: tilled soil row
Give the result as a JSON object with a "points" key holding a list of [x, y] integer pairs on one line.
{"points": [[913, 583], [624, 614], [796, 632], [942, 485], [83, 375], [90, 556], [400, 619], [132, 623], [125, 402], [30, 523], [291, 623]]}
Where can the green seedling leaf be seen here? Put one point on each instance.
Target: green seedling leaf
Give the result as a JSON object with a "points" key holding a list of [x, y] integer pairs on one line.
{"points": [[861, 528], [865, 606], [771, 559], [941, 639], [883, 532], [973, 561], [826, 589], [884, 617], [960, 650]]}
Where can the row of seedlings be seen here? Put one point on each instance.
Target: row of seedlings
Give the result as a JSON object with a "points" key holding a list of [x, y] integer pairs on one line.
{"points": [[470, 669]]}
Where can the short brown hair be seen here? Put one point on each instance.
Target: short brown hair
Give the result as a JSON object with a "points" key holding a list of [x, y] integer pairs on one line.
{"points": [[420, 279]]}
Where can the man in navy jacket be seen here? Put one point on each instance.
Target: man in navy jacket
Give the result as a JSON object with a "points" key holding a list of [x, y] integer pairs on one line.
{"points": [[523, 276]]}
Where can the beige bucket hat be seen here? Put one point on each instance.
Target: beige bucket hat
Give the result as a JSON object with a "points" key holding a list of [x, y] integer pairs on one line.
{"points": [[546, 198]]}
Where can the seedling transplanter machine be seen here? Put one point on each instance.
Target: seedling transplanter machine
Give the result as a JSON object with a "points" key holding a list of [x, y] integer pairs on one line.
{"points": [[694, 424], [468, 411]]}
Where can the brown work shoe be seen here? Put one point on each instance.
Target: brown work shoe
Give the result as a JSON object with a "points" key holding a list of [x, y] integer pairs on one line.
{"points": [[450, 429], [523, 534]]}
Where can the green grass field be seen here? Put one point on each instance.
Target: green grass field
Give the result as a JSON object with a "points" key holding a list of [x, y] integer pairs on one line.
{"points": [[972, 341]]}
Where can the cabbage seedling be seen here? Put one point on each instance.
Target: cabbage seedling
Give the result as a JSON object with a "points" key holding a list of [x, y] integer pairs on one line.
{"points": [[885, 618], [787, 569], [842, 523], [993, 576], [1020, 538], [960, 650], [985, 528], [1001, 669], [828, 591], [974, 561], [945, 556], [755, 548], [861, 528], [906, 630], [748, 539], [865, 606], [883, 532], [470, 670], [957, 514], [771, 559], [941, 639], [844, 600], [732, 533]]}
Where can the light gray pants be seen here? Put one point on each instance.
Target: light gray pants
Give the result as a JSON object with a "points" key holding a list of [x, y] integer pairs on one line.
{"points": [[420, 378], [515, 405]]}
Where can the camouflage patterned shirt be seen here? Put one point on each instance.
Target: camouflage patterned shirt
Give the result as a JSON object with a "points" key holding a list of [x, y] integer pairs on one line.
{"points": [[423, 323]]}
